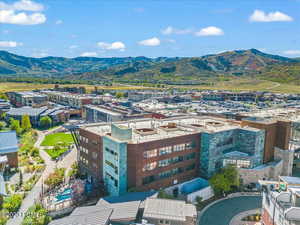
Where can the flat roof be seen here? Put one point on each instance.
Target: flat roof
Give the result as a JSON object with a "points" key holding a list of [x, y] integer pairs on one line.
{"points": [[149, 129], [168, 209]]}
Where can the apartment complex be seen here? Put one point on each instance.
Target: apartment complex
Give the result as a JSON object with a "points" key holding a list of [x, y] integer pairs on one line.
{"points": [[73, 100], [281, 201], [147, 154], [27, 98], [111, 113]]}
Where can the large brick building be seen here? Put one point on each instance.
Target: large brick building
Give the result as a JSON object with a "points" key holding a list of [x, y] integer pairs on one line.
{"points": [[147, 154]]}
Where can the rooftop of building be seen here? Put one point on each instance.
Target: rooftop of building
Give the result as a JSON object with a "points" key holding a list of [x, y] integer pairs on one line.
{"points": [[27, 94], [71, 95], [8, 142], [275, 114], [145, 130], [168, 209]]}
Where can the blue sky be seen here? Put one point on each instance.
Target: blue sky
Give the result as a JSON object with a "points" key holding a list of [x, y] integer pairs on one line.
{"points": [[106, 28]]}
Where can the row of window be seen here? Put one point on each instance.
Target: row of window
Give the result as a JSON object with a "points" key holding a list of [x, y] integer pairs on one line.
{"points": [[112, 178], [83, 149], [167, 162], [84, 160], [239, 163], [115, 154], [84, 139], [168, 173], [168, 150], [110, 164]]}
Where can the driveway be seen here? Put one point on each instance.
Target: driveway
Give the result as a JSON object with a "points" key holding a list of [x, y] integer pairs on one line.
{"points": [[222, 212]]}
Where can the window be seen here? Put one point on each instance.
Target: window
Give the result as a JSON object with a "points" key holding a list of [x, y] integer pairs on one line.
{"points": [[178, 148], [165, 150], [189, 145], [94, 155], [150, 166], [163, 163], [190, 156], [110, 164], [150, 153], [112, 152], [148, 179]]}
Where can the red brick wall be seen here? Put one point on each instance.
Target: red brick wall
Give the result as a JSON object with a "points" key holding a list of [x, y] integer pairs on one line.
{"points": [[12, 159], [94, 146], [136, 162]]}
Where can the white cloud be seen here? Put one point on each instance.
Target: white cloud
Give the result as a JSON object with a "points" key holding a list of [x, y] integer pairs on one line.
{"points": [[10, 44], [89, 54], [150, 42], [210, 31], [118, 45], [261, 16], [11, 17], [57, 22], [171, 41], [22, 5], [171, 30], [73, 46], [292, 52]]}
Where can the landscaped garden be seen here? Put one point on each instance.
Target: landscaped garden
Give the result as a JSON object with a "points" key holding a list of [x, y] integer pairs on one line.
{"points": [[52, 139], [57, 144]]}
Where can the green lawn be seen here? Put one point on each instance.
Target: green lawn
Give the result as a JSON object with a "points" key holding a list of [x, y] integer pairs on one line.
{"points": [[55, 153], [53, 139]]}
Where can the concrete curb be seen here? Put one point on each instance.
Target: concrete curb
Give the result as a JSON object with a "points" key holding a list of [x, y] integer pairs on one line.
{"points": [[234, 195], [237, 218]]}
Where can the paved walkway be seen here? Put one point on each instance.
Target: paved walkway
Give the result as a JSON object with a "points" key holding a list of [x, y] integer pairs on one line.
{"points": [[30, 199], [237, 220]]}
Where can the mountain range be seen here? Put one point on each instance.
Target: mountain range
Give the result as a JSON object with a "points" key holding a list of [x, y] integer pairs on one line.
{"points": [[226, 65]]}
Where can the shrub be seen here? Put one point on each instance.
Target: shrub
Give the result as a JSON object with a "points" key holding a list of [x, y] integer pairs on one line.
{"points": [[36, 215], [56, 178], [13, 202]]}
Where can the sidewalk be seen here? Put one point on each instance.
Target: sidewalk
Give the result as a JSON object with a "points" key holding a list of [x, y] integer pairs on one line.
{"points": [[237, 220], [37, 189]]}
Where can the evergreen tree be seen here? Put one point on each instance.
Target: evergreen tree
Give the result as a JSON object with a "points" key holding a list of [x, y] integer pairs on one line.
{"points": [[45, 121], [25, 123]]}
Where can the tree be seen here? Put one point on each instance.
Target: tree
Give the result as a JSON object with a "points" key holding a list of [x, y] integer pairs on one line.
{"points": [[45, 121], [15, 125], [119, 95], [25, 123], [2, 125], [20, 178], [225, 180], [2, 116], [36, 215], [13, 202], [3, 96]]}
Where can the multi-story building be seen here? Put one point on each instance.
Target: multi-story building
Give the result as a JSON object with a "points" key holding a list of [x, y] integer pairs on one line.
{"points": [[147, 154], [57, 114], [281, 201], [111, 113], [76, 101], [27, 98]]}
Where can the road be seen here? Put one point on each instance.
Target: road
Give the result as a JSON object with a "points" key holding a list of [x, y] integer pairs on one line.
{"points": [[222, 212], [35, 192]]}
